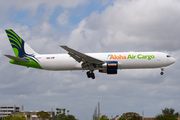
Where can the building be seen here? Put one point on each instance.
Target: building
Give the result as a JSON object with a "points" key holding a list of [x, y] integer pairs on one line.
{"points": [[33, 116], [6, 110]]}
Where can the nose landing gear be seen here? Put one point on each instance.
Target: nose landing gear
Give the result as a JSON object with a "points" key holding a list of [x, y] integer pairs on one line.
{"points": [[90, 74], [162, 71]]}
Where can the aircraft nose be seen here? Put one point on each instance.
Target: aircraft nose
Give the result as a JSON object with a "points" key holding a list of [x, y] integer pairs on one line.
{"points": [[173, 60]]}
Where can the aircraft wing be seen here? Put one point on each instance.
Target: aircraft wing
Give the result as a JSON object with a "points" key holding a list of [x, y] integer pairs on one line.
{"points": [[17, 59], [78, 56]]}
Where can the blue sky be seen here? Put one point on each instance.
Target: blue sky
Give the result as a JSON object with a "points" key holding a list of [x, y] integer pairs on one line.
{"points": [[92, 26], [77, 13]]}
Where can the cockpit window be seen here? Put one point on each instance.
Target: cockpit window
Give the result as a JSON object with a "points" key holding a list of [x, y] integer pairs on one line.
{"points": [[168, 56]]}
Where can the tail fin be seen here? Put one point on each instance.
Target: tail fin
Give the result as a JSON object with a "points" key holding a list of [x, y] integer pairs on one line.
{"points": [[20, 48], [117, 117]]}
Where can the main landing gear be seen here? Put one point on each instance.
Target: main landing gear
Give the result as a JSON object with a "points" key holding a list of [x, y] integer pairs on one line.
{"points": [[162, 71], [90, 74]]}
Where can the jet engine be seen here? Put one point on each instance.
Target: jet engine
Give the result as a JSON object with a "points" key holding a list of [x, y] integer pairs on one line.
{"points": [[110, 67]]}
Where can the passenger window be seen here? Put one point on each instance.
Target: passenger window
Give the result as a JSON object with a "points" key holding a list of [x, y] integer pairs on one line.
{"points": [[168, 56]]}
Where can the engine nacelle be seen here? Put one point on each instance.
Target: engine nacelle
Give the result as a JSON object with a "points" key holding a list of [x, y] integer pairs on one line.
{"points": [[111, 67]]}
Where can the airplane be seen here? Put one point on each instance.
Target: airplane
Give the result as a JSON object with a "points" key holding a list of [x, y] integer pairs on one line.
{"points": [[74, 60]]}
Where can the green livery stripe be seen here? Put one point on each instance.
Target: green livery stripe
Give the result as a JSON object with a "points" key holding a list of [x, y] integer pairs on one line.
{"points": [[16, 52], [14, 45], [15, 35], [9, 35], [27, 64], [14, 39]]}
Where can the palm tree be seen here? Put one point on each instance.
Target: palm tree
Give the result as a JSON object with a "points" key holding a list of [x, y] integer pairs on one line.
{"points": [[58, 113], [68, 112], [64, 110]]}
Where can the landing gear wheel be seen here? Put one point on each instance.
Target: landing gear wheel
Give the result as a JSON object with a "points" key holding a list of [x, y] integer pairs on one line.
{"points": [[90, 74], [162, 73]]}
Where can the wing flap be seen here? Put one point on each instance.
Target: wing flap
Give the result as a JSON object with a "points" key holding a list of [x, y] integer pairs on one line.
{"points": [[78, 56], [17, 59]]}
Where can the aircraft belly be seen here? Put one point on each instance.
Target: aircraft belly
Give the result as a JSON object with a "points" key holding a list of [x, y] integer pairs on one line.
{"points": [[58, 65]]}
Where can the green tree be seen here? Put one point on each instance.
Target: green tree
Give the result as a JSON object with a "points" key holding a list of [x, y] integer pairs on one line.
{"points": [[103, 117], [70, 117], [122, 118], [28, 116], [68, 112], [63, 116], [58, 112], [167, 114], [16, 117], [66, 117], [130, 116], [134, 117], [43, 115], [64, 111]]}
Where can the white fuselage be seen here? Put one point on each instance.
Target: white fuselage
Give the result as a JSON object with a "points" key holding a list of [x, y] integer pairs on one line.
{"points": [[126, 60], [104, 62]]}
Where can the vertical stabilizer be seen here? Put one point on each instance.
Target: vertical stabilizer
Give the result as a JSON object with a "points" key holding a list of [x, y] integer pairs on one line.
{"points": [[20, 47], [25, 55]]}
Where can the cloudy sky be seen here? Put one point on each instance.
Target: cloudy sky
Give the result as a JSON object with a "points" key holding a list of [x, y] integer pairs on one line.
{"points": [[92, 26]]}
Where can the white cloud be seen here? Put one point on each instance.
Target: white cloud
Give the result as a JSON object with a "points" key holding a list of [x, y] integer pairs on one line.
{"points": [[22, 96], [103, 88], [62, 19], [139, 24], [49, 93]]}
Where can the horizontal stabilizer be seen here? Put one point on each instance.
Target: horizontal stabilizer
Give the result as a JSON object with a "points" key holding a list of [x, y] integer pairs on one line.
{"points": [[17, 59]]}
